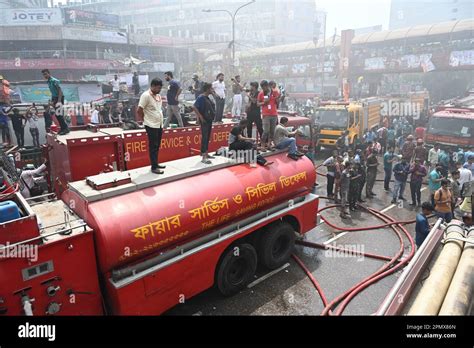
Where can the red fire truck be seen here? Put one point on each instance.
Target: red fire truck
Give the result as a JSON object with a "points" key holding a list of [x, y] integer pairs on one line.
{"points": [[91, 151], [130, 243], [451, 127]]}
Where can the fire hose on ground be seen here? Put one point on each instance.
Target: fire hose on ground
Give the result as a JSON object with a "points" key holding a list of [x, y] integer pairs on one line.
{"points": [[457, 299], [392, 266], [395, 263]]}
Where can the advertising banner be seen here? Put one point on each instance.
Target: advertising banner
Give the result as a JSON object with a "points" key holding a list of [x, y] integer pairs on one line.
{"points": [[42, 95], [31, 64], [91, 19], [415, 61], [461, 58], [30, 17], [375, 63], [93, 35], [157, 67]]}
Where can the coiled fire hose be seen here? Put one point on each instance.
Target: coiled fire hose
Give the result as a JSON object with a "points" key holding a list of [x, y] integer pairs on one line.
{"points": [[395, 263]]}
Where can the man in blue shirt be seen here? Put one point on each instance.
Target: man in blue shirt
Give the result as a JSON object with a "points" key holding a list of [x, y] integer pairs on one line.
{"points": [[369, 136], [57, 98], [443, 159], [391, 135], [434, 181], [174, 90], [388, 160], [422, 227], [401, 171], [205, 111]]}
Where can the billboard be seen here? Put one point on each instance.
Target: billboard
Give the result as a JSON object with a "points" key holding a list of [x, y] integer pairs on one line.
{"points": [[93, 35], [42, 95], [461, 58], [30, 17], [76, 64], [91, 19], [157, 67]]}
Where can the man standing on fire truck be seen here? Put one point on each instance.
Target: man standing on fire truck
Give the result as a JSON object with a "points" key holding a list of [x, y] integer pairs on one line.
{"points": [[57, 99], [149, 109]]}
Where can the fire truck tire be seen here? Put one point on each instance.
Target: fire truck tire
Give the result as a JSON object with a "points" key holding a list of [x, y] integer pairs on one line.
{"points": [[276, 245], [236, 269]]}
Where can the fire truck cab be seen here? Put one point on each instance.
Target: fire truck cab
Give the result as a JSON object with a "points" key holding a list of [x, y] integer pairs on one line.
{"points": [[332, 119], [451, 127]]}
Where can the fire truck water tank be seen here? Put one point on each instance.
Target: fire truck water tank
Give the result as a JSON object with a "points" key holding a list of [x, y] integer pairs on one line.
{"points": [[131, 226]]}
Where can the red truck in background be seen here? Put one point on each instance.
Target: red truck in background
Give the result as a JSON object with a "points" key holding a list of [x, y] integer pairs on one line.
{"points": [[451, 127], [132, 243]]}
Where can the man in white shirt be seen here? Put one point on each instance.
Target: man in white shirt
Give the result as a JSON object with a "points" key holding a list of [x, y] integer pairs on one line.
{"points": [[150, 110], [95, 115], [433, 155], [27, 178], [219, 95], [115, 83], [237, 89], [465, 174]]}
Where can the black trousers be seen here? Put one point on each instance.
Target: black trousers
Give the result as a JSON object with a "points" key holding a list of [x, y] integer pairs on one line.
{"points": [[206, 129], [60, 114], [35, 135], [20, 136], [415, 188], [154, 142], [361, 188], [6, 138], [240, 145], [254, 117], [353, 194], [330, 185], [48, 121], [247, 146], [220, 104]]}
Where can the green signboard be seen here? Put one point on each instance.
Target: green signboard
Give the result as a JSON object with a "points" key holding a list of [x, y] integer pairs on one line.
{"points": [[42, 95]]}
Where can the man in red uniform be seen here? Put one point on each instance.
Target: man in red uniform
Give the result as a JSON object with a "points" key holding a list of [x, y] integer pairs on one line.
{"points": [[268, 100]]}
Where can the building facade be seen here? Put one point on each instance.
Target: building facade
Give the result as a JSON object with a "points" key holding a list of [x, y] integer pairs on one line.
{"points": [[78, 46], [263, 23], [407, 13]]}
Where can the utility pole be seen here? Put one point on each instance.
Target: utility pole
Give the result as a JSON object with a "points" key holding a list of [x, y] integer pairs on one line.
{"points": [[232, 16], [323, 62]]}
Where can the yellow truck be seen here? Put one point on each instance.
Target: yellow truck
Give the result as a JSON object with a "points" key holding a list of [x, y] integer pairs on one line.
{"points": [[332, 119]]}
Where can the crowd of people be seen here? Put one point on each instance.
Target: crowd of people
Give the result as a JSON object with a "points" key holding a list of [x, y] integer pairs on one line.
{"points": [[448, 172], [262, 110]]}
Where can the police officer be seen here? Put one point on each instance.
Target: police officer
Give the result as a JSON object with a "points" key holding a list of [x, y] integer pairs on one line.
{"points": [[354, 187], [362, 171]]}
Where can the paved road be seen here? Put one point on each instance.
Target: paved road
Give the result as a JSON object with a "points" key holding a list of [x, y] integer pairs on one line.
{"points": [[289, 292]]}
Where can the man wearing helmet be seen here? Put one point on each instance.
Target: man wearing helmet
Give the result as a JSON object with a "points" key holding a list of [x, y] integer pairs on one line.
{"points": [[408, 149], [196, 88]]}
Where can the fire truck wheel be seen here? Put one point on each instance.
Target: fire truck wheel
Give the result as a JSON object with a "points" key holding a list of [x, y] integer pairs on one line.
{"points": [[236, 269], [276, 245]]}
